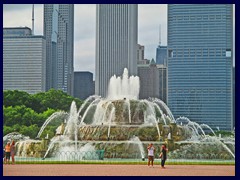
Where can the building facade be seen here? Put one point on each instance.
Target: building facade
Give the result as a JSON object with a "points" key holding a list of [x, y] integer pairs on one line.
{"points": [[161, 55], [149, 80], [162, 82], [83, 85], [59, 34], [200, 47], [24, 60], [116, 43]]}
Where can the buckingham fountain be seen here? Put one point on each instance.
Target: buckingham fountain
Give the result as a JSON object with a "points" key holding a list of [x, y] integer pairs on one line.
{"points": [[121, 126]]}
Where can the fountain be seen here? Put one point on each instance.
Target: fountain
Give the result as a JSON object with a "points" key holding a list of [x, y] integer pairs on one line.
{"points": [[122, 126]]}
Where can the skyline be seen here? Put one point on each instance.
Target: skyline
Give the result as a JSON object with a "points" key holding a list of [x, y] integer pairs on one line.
{"points": [[85, 28]]}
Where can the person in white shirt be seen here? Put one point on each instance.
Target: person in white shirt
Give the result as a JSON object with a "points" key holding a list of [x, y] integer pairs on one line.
{"points": [[151, 151]]}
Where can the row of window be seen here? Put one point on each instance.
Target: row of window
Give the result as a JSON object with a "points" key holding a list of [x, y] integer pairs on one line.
{"points": [[220, 52], [199, 17]]}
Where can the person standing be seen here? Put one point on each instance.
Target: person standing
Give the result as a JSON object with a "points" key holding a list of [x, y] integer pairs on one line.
{"points": [[7, 151], [12, 151], [4, 156], [151, 151], [163, 155]]}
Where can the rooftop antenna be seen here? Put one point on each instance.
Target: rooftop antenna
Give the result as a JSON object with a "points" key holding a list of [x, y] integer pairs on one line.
{"points": [[33, 19], [159, 34]]}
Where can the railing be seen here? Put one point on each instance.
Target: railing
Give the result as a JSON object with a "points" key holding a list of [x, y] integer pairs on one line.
{"points": [[100, 156]]}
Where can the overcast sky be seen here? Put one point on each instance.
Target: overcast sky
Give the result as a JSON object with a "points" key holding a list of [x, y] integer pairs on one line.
{"points": [[150, 17]]}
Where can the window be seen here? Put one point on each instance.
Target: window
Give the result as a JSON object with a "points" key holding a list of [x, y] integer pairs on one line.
{"points": [[170, 53], [228, 53]]}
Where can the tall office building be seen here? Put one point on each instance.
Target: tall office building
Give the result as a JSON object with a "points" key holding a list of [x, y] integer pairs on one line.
{"points": [[59, 32], [24, 60], [200, 43], [116, 43]]}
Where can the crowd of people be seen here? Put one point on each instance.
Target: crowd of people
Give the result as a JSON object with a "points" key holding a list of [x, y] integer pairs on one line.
{"points": [[9, 152], [162, 155]]}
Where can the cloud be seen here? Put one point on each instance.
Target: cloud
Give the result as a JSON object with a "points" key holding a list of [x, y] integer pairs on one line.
{"points": [[84, 55], [84, 21], [150, 17], [20, 15]]}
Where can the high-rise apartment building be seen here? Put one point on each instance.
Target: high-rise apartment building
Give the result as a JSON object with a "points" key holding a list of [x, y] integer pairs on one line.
{"points": [[116, 43], [59, 33], [200, 43], [24, 60]]}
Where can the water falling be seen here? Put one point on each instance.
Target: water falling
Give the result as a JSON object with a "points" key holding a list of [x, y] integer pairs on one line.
{"points": [[125, 87], [117, 118], [110, 121], [89, 99], [52, 117], [136, 140]]}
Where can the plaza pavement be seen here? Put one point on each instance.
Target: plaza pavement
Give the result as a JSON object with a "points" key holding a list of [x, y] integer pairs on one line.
{"points": [[116, 170]]}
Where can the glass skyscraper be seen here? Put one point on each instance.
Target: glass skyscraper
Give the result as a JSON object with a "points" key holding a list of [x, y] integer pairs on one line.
{"points": [[200, 43], [116, 43], [59, 33]]}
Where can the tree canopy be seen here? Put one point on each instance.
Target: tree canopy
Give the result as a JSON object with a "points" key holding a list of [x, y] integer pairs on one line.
{"points": [[26, 113]]}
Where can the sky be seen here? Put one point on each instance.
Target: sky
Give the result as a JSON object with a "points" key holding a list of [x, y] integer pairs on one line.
{"points": [[150, 18]]}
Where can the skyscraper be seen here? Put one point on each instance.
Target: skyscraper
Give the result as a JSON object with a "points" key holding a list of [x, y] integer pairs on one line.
{"points": [[116, 43], [59, 32], [200, 63], [24, 60]]}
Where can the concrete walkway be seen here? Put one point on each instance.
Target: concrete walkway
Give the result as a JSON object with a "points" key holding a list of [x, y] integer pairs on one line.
{"points": [[116, 170]]}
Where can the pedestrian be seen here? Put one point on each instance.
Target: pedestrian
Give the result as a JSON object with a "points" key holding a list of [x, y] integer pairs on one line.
{"points": [[12, 152], [7, 151], [151, 151], [163, 155], [4, 156]]}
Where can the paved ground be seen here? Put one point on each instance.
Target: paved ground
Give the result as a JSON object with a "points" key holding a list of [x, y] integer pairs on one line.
{"points": [[115, 170]]}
